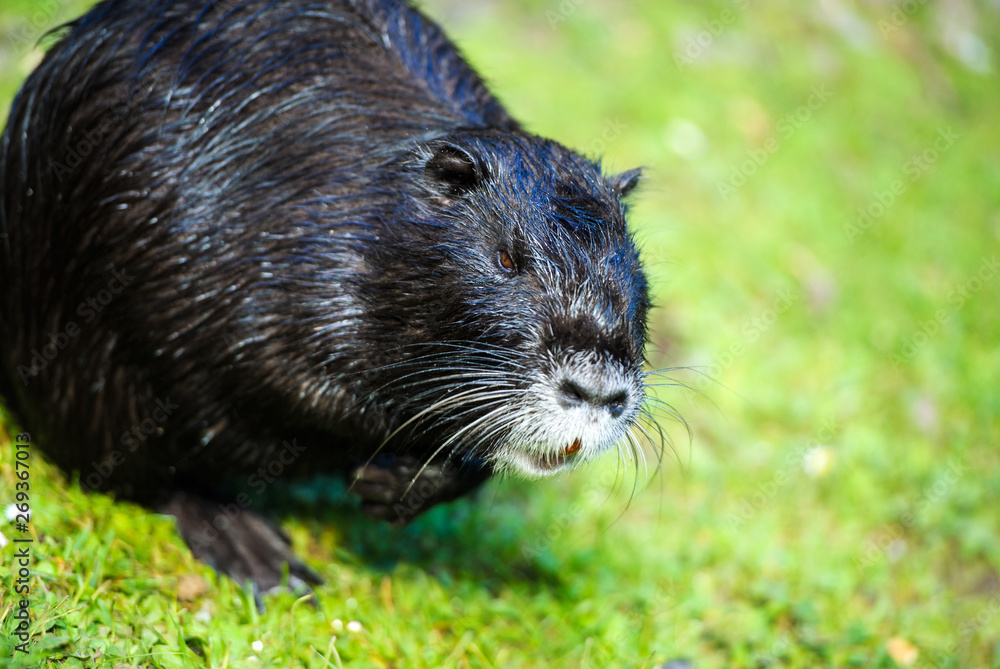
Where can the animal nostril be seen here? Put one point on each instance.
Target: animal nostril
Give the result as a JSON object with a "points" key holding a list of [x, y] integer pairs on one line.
{"points": [[572, 393], [616, 403]]}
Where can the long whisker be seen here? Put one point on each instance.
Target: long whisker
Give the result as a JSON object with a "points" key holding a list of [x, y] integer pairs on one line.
{"points": [[438, 382], [646, 418], [453, 439], [637, 447], [435, 407], [648, 437], [495, 398]]}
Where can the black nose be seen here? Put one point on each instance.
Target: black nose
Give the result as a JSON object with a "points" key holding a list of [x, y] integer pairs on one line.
{"points": [[573, 393]]}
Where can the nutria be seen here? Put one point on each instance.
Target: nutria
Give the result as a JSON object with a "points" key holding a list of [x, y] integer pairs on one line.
{"points": [[251, 239]]}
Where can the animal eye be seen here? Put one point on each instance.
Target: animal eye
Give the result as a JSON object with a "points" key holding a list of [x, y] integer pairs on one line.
{"points": [[506, 262]]}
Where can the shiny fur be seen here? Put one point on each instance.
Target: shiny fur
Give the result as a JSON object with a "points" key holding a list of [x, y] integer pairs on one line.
{"points": [[339, 243]]}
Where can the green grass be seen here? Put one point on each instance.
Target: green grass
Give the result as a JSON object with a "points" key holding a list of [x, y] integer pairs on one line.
{"points": [[858, 343]]}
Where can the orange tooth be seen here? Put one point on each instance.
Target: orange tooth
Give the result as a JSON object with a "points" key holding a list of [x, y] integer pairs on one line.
{"points": [[573, 448]]}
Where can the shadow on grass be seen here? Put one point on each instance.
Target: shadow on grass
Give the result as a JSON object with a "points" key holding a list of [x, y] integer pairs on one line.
{"points": [[478, 536]]}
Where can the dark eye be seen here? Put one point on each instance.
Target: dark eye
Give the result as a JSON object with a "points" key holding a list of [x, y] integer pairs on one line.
{"points": [[505, 262]]}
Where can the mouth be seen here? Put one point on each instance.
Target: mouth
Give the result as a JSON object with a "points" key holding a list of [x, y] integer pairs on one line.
{"points": [[546, 464]]}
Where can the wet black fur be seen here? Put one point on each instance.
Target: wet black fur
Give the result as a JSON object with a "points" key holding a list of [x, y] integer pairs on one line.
{"points": [[311, 198]]}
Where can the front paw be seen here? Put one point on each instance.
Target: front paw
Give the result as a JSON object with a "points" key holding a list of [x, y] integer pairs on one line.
{"points": [[400, 492]]}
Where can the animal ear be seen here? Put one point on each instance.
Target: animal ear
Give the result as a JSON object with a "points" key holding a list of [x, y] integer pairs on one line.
{"points": [[454, 167], [625, 183]]}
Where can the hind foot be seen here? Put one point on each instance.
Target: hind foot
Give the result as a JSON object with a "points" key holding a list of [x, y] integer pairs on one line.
{"points": [[401, 491], [244, 546]]}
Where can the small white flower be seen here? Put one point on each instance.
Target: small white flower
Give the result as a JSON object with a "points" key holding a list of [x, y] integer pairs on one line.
{"points": [[337, 624], [817, 461], [204, 615], [354, 626], [896, 550], [11, 511], [685, 138], [3, 540], [257, 646]]}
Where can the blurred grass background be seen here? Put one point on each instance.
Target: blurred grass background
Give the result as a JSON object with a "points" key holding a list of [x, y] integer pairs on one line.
{"points": [[821, 225]]}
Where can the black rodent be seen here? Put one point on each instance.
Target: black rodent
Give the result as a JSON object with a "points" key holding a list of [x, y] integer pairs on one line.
{"points": [[238, 234]]}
